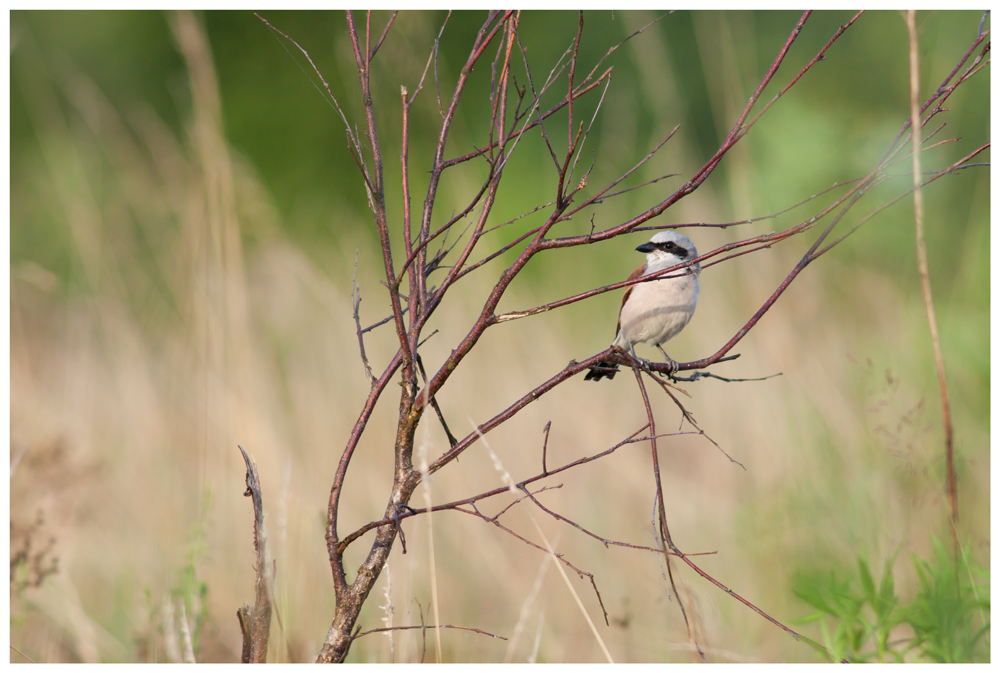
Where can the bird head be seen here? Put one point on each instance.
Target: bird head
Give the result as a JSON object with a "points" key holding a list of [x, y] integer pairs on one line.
{"points": [[668, 248]]}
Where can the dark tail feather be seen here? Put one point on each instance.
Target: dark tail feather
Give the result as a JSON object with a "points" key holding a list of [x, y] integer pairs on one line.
{"points": [[601, 370]]}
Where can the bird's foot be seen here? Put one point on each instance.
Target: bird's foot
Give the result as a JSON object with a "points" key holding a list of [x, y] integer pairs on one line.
{"points": [[672, 365]]}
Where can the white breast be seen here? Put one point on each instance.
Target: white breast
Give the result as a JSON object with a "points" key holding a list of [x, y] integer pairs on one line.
{"points": [[656, 312]]}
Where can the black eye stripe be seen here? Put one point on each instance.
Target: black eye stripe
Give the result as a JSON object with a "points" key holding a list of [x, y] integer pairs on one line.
{"points": [[670, 246]]}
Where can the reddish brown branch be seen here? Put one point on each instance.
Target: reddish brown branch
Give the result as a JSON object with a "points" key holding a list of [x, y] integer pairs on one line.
{"points": [[487, 206], [559, 557], [600, 196], [664, 531], [571, 370], [700, 176], [605, 541], [514, 135], [950, 169], [690, 419], [482, 40], [356, 303], [404, 157], [615, 47], [333, 507], [388, 25], [378, 198], [431, 57], [750, 220], [536, 96], [545, 446], [821, 55], [329, 91], [571, 142], [444, 228], [942, 92], [631, 439]]}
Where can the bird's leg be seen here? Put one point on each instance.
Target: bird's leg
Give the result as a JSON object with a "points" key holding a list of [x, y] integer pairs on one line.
{"points": [[642, 361], [669, 360]]}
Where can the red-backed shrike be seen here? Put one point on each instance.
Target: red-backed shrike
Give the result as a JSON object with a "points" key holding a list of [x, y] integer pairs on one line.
{"points": [[655, 312]]}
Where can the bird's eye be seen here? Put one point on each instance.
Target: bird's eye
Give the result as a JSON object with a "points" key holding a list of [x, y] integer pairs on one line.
{"points": [[669, 245]]}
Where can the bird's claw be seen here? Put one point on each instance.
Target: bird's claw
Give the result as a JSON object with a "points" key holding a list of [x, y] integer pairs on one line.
{"points": [[672, 365]]}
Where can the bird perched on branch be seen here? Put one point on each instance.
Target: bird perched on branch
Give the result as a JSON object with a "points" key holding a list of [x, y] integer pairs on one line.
{"points": [[656, 311]]}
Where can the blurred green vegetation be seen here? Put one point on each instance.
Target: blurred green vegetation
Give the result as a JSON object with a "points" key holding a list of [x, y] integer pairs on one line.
{"points": [[833, 125], [848, 451], [948, 621]]}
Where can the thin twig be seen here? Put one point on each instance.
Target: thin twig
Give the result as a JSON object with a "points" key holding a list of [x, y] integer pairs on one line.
{"points": [[599, 196], [350, 134], [605, 541], [558, 557], [482, 40], [385, 32], [471, 500], [615, 47], [750, 220], [553, 74], [440, 626], [356, 303], [431, 57], [545, 446], [581, 90], [821, 55], [420, 367], [690, 419], [709, 375]]}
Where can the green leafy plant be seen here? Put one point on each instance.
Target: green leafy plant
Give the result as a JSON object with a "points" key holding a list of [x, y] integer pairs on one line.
{"points": [[947, 620], [950, 616]]}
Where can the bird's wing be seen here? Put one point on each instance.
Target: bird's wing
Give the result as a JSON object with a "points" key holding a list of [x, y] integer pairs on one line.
{"points": [[628, 291]]}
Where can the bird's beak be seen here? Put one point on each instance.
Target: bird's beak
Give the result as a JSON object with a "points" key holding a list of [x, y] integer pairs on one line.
{"points": [[646, 247]]}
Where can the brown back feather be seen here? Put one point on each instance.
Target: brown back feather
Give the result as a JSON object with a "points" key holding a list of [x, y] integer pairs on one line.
{"points": [[628, 291]]}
